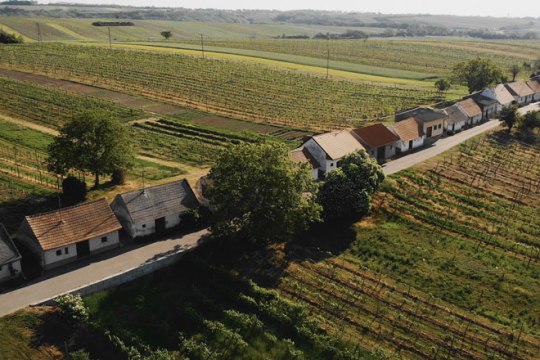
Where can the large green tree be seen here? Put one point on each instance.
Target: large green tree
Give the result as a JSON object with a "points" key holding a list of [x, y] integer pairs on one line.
{"points": [[260, 194], [348, 190], [510, 116], [94, 141], [477, 74]]}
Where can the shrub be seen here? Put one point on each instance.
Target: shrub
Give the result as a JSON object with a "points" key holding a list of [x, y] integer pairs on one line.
{"points": [[72, 307], [73, 190]]}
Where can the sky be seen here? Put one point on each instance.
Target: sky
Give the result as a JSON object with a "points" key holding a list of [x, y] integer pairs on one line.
{"points": [[523, 8]]}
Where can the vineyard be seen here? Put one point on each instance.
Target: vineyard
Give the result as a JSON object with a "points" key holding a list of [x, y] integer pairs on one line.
{"points": [[420, 56], [239, 90], [210, 314], [447, 267], [51, 107]]}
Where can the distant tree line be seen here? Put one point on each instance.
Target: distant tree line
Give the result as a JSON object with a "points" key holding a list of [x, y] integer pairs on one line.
{"points": [[18, 2], [6, 38], [113, 23]]}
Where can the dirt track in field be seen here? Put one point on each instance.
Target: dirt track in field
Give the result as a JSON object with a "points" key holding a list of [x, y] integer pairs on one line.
{"points": [[116, 97]]}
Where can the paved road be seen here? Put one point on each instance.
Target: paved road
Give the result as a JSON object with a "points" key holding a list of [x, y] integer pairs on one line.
{"points": [[439, 147], [81, 274]]}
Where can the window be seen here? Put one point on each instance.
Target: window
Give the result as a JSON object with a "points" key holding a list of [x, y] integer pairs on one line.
{"points": [[0, 268], [331, 164], [338, 163], [104, 239], [58, 252], [66, 251], [143, 226]]}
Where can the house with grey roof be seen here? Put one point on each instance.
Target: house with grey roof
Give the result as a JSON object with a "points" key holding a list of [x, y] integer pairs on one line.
{"points": [[10, 258], [487, 101], [431, 120], [154, 209], [456, 120]]}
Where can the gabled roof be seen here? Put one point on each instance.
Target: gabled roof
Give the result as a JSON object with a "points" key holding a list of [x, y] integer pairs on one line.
{"points": [[73, 224], [470, 107], [422, 114], [159, 201], [483, 98], [303, 155], [408, 129], [534, 85], [519, 88], [503, 95], [455, 114], [8, 251], [375, 136], [337, 144]]}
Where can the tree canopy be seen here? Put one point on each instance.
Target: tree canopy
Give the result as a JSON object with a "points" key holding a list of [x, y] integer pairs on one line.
{"points": [[442, 86], [166, 34], [6, 38], [348, 190], [94, 141], [477, 74], [510, 116], [260, 194]]}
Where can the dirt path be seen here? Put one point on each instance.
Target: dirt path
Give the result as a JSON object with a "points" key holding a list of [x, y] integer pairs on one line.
{"points": [[29, 125]]}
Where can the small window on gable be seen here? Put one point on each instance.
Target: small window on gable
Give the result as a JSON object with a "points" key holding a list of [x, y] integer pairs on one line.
{"points": [[0, 268], [143, 226], [104, 239], [331, 164], [58, 252], [66, 251]]}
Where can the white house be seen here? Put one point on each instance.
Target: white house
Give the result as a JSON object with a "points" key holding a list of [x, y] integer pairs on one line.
{"points": [[410, 134], [10, 259], [302, 155], [456, 120], [153, 210], [470, 108], [329, 148], [379, 142], [534, 84], [487, 101], [504, 97], [62, 236], [522, 93]]}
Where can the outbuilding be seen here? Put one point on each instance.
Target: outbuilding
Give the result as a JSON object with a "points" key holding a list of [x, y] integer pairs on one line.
{"points": [[456, 120], [10, 258], [431, 120], [62, 236], [410, 134], [302, 155], [504, 97], [378, 141], [471, 109], [155, 209], [534, 84], [521, 92], [487, 101]]}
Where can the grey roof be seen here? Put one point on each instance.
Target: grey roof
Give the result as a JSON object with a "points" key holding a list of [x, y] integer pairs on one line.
{"points": [[159, 201], [8, 251], [483, 98], [455, 114], [421, 113]]}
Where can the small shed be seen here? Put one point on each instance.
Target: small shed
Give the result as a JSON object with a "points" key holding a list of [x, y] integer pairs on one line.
{"points": [[410, 134], [62, 236], [302, 155], [487, 101], [10, 258], [155, 209], [329, 148], [504, 97], [473, 111], [522, 93], [456, 120], [431, 120], [379, 142]]}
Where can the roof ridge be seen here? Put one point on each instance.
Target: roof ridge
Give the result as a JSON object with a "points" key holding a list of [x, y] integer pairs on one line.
{"points": [[66, 208], [154, 186]]}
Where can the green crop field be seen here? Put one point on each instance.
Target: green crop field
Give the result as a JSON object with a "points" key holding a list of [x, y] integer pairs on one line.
{"points": [[245, 91], [447, 266]]}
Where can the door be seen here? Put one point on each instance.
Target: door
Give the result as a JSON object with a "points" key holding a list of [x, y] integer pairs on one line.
{"points": [[381, 153], [83, 248], [160, 225], [410, 144], [453, 127], [429, 132]]}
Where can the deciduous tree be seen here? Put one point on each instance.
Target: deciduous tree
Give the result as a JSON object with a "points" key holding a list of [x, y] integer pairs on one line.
{"points": [[166, 34], [260, 194], [442, 86], [477, 74], [510, 116], [94, 141], [515, 70], [348, 190]]}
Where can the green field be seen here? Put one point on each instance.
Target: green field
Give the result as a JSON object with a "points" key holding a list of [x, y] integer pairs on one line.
{"points": [[246, 91]]}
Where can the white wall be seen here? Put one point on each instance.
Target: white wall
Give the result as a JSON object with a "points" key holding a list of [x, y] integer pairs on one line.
{"points": [[435, 127], [172, 221], [50, 256], [145, 228], [5, 272], [318, 153], [123, 217], [404, 145], [96, 244], [314, 174], [475, 119], [458, 126]]}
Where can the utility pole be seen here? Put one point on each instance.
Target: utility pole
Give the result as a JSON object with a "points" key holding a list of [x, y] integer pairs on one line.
{"points": [[202, 45], [327, 63], [110, 40]]}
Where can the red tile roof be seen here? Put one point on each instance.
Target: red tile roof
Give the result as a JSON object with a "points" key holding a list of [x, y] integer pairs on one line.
{"points": [[520, 88], [408, 129], [73, 224], [303, 155], [470, 107], [534, 85], [376, 135]]}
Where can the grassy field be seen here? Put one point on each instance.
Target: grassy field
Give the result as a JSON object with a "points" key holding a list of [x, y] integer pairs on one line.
{"points": [[239, 90], [446, 267]]}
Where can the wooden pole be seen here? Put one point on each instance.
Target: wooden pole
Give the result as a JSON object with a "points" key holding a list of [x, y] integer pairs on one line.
{"points": [[110, 40], [327, 63], [202, 45]]}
